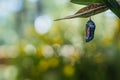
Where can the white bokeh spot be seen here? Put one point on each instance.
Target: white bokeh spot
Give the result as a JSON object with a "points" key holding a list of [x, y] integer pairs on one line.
{"points": [[43, 24]]}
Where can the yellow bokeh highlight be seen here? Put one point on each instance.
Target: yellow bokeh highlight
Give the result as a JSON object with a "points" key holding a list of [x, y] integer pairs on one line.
{"points": [[39, 52], [74, 57], [57, 40], [54, 62], [68, 70], [43, 65], [107, 41], [21, 47]]}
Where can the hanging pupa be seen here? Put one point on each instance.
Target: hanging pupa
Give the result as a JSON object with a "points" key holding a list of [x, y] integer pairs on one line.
{"points": [[90, 29]]}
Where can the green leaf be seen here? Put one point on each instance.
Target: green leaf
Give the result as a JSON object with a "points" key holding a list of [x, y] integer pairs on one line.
{"points": [[87, 11], [114, 6], [91, 10], [86, 2]]}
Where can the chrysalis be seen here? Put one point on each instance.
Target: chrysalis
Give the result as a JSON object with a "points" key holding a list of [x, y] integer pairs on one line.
{"points": [[90, 28]]}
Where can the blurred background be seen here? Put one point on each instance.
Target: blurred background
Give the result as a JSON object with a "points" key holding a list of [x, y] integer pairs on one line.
{"points": [[35, 47]]}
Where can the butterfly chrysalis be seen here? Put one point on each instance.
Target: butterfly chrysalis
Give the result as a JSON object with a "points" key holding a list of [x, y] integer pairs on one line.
{"points": [[90, 28]]}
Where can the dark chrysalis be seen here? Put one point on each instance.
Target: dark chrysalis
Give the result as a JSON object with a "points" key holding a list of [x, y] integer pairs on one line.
{"points": [[90, 28]]}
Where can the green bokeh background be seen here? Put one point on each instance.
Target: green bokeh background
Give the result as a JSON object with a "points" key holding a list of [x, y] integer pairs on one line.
{"points": [[60, 53]]}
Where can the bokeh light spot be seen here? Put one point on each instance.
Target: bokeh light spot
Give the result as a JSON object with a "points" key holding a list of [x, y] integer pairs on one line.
{"points": [[43, 24]]}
